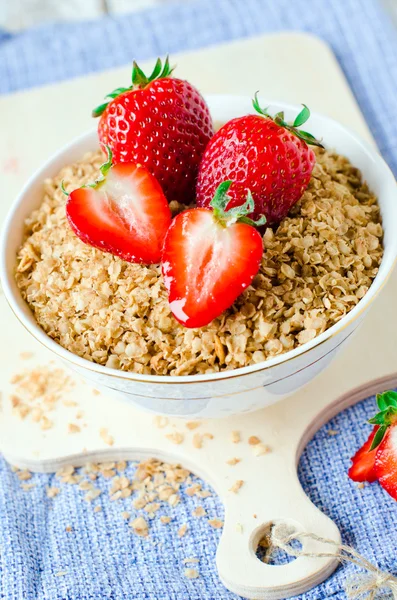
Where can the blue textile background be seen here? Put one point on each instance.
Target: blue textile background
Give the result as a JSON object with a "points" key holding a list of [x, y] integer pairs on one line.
{"points": [[101, 558]]}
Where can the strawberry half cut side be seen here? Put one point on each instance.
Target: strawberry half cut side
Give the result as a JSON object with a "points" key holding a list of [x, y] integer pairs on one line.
{"points": [[363, 467], [125, 213], [210, 257]]}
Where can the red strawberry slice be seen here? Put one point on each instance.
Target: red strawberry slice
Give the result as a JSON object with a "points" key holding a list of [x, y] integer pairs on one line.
{"points": [[386, 462], [125, 213], [363, 467], [209, 258]]}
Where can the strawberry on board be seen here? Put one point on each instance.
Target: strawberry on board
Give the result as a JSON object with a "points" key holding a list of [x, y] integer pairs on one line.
{"points": [[385, 442], [264, 154], [377, 459], [160, 122], [125, 213], [210, 256]]}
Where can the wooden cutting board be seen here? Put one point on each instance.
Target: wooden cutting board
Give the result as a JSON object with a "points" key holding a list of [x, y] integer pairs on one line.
{"points": [[290, 67]]}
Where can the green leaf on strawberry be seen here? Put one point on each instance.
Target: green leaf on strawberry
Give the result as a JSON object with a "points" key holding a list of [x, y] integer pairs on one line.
{"points": [[387, 416], [300, 119], [138, 80], [238, 213]]}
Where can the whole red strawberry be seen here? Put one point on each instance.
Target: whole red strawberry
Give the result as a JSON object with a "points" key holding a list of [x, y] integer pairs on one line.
{"points": [[159, 122], [263, 154]]}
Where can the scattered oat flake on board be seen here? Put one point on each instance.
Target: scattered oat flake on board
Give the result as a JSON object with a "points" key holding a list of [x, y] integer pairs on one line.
{"points": [[46, 423], [26, 355], [239, 528], [191, 573], [106, 437], [69, 403], [97, 509], [233, 461], [86, 485], [199, 512], [152, 507], [60, 573], [73, 428], [237, 486], [125, 514], [192, 559], [92, 494], [24, 475], [236, 438], [38, 390], [197, 440], [182, 530], [161, 421], [96, 392], [27, 486], [361, 485], [68, 528], [165, 520], [64, 471], [173, 500], [193, 424], [253, 440], [215, 523], [260, 449], [175, 438], [51, 492], [193, 489], [203, 494], [140, 527]]}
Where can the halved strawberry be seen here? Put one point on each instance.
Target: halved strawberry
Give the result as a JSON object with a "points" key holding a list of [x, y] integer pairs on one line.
{"points": [[386, 462], [124, 213], [377, 459], [209, 258], [363, 467]]}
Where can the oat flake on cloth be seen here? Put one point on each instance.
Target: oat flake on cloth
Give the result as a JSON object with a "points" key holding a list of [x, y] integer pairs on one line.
{"points": [[59, 548]]}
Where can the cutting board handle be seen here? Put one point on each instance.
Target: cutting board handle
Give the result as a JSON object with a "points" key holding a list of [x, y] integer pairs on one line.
{"points": [[245, 574]]}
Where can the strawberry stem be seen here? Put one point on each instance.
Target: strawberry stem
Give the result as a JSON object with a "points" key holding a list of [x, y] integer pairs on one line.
{"points": [[300, 119], [236, 214], [138, 80], [63, 188], [387, 415]]}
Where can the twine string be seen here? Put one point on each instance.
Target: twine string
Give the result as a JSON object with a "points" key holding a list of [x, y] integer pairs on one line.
{"points": [[373, 584]]}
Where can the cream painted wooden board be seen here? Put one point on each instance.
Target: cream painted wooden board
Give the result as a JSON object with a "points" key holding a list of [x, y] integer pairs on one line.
{"points": [[305, 70]]}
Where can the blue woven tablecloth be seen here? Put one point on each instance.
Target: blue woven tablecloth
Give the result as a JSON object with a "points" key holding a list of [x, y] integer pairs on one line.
{"points": [[99, 557]]}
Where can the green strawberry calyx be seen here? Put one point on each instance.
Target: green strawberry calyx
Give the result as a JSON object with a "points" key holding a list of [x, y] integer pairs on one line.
{"points": [[300, 119], [138, 80], [104, 169], [387, 416], [233, 215]]}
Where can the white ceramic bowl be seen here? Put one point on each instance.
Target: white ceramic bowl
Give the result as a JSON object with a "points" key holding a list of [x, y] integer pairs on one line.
{"points": [[240, 390]]}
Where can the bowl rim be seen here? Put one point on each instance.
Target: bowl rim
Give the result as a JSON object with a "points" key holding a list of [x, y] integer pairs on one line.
{"points": [[26, 318]]}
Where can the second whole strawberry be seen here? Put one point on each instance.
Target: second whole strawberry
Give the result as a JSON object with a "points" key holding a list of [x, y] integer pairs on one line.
{"points": [[267, 155]]}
